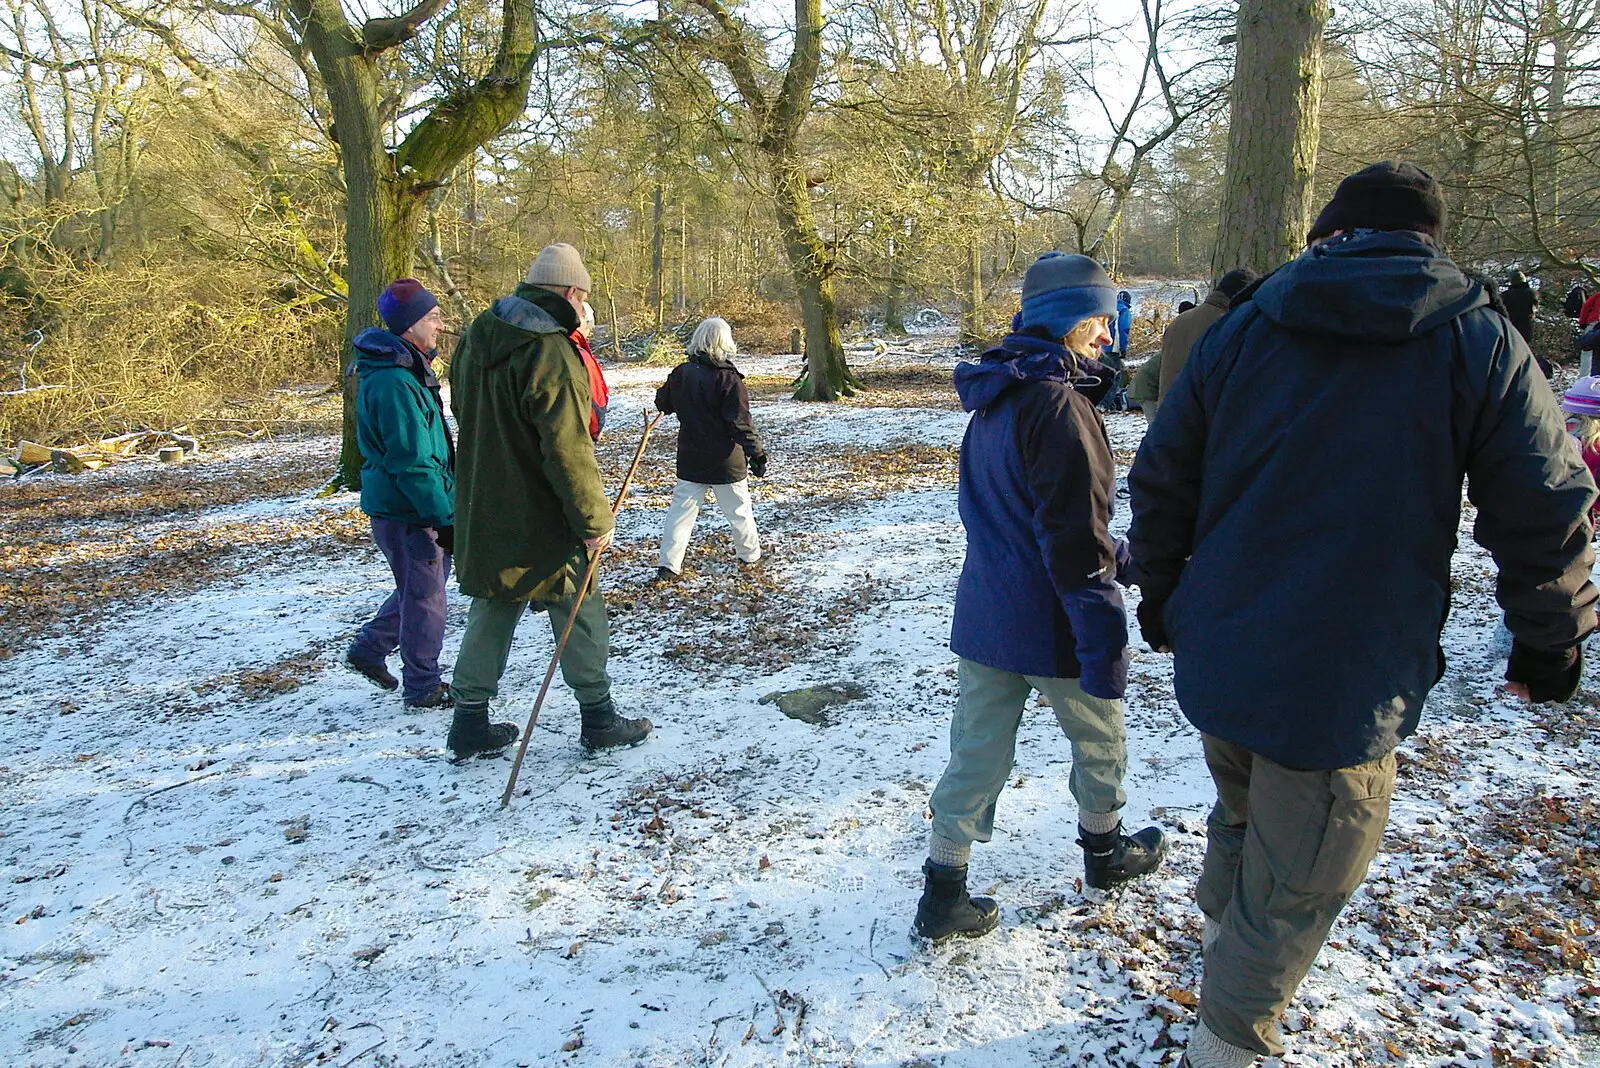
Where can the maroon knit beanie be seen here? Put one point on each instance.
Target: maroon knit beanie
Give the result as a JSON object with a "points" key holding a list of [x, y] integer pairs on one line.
{"points": [[402, 303]]}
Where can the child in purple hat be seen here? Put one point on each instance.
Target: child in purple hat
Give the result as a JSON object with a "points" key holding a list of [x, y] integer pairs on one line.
{"points": [[1582, 405]]}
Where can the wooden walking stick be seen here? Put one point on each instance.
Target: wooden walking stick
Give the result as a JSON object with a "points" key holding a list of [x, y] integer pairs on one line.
{"points": [[650, 422]]}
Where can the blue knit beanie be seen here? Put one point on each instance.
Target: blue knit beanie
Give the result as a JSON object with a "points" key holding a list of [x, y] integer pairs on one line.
{"points": [[1061, 290], [402, 303]]}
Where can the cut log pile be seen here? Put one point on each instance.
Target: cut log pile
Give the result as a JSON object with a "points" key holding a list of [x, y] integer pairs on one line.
{"points": [[166, 446]]}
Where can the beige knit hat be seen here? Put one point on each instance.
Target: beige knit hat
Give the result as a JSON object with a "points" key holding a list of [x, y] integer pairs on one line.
{"points": [[559, 265]]}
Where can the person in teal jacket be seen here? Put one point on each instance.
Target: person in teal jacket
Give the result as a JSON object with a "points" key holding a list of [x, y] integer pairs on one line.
{"points": [[407, 488]]}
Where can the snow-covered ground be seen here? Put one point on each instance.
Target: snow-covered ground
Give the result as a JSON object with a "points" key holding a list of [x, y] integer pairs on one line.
{"points": [[221, 848]]}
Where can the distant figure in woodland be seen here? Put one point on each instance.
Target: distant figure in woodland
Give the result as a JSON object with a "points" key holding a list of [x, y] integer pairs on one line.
{"points": [[407, 482], [1144, 388], [1588, 344], [1589, 314], [1292, 534], [1115, 354], [1037, 605], [718, 447], [530, 503], [1185, 330], [1519, 300], [1573, 305]]}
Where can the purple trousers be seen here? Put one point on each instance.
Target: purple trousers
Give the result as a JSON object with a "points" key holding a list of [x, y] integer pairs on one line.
{"points": [[412, 619]]}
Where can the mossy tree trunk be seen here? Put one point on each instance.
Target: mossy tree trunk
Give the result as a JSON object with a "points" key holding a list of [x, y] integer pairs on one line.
{"points": [[386, 188], [777, 121]]}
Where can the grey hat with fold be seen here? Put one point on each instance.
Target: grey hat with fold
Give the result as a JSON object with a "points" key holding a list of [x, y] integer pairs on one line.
{"points": [[559, 265], [1060, 290]]}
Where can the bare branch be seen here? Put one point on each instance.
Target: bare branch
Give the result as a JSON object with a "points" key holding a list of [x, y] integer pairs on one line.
{"points": [[382, 34]]}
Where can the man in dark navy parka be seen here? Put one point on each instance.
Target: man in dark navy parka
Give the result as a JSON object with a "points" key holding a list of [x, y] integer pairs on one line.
{"points": [[1037, 607], [1296, 503]]}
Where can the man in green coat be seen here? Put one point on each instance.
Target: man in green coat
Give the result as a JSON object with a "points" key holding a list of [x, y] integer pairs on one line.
{"points": [[529, 504]]}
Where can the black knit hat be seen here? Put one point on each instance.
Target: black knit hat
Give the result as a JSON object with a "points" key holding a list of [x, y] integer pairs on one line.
{"points": [[1392, 195]]}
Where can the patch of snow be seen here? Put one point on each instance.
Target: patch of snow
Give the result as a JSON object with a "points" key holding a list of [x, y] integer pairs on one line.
{"points": [[195, 877]]}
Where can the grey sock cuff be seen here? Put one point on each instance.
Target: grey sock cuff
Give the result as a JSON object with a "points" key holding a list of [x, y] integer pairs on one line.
{"points": [[1206, 1050], [952, 854], [1099, 822]]}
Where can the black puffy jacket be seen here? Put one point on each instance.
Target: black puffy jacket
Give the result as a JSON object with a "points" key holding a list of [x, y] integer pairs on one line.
{"points": [[715, 434], [1296, 501]]}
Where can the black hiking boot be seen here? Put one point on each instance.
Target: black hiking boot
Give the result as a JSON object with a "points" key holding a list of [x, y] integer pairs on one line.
{"points": [[471, 733], [664, 576], [1113, 858], [604, 729], [946, 910], [439, 698], [377, 674]]}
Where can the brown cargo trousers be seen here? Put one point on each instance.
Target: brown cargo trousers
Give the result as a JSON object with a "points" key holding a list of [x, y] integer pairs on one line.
{"points": [[1285, 849]]}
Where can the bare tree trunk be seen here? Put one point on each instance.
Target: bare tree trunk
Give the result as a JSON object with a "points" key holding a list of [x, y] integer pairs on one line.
{"points": [[441, 266], [683, 258], [973, 329], [894, 305], [658, 241], [778, 122], [1272, 134]]}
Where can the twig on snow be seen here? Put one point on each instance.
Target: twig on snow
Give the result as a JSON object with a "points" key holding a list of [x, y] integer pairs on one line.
{"points": [[145, 800], [776, 1011], [332, 975], [572, 769], [872, 933], [377, 1045], [417, 856], [367, 779]]}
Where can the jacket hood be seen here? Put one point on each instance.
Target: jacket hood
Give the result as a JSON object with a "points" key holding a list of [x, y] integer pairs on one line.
{"points": [[379, 350], [1375, 286], [1021, 358], [529, 310]]}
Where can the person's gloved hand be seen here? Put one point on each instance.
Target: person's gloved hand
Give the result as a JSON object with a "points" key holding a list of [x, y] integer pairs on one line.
{"points": [[1124, 556], [1544, 674], [446, 537], [758, 465], [1151, 626]]}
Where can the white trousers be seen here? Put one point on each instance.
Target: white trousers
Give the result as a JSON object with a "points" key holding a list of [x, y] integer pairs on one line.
{"points": [[734, 503]]}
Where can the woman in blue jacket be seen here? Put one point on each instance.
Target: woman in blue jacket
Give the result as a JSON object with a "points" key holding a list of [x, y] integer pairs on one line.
{"points": [[1037, 606]]}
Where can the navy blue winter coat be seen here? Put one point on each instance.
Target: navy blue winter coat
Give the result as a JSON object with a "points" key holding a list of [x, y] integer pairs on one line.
{"points": [[1296, 500], [1037, 483]]}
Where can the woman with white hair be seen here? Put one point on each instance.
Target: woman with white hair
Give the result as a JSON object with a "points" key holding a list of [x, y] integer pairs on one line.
{"points": [[718, 447]]}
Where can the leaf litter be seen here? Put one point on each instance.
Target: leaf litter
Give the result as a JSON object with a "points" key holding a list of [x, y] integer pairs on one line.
{"points": [[737, 890]]}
